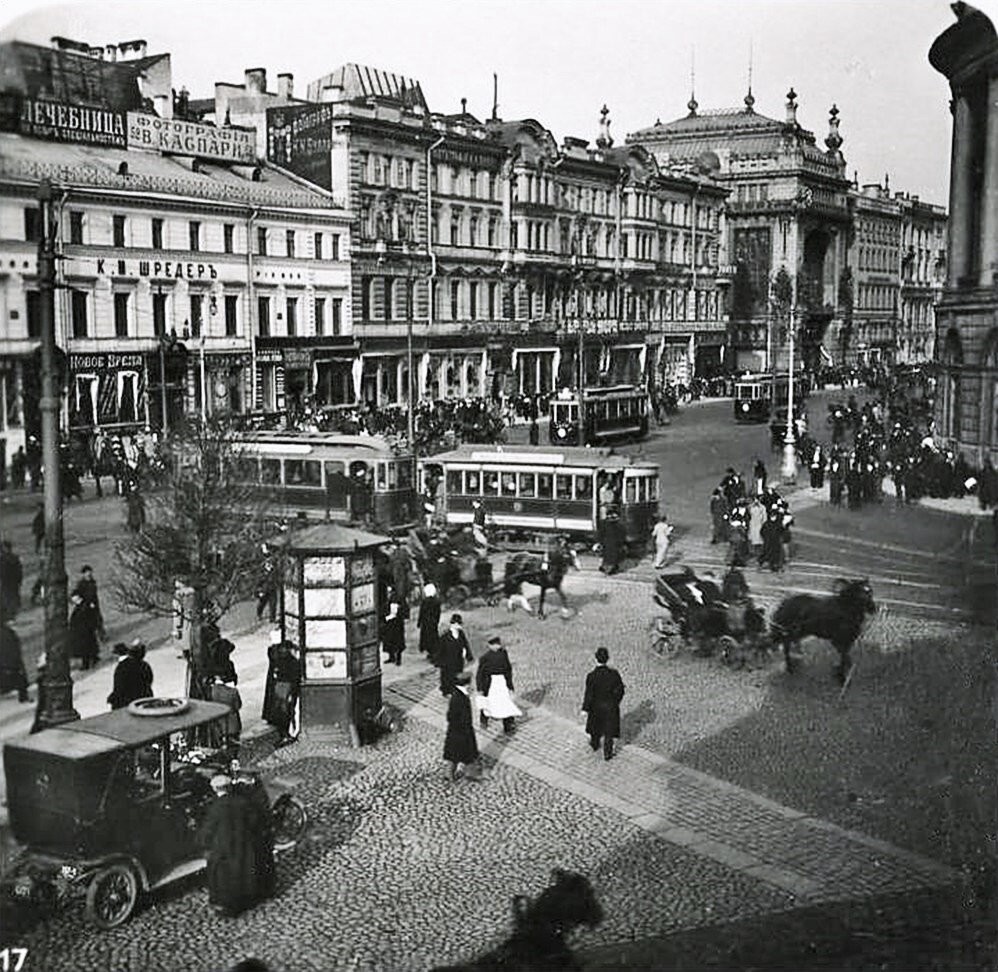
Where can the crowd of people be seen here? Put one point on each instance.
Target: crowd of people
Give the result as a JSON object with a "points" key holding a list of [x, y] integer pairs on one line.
{"points": [[754, 520]]}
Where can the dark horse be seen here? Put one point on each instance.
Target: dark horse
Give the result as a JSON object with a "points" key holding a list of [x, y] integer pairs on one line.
{"points": [[837, 618], [546, 572], [540, 928]]}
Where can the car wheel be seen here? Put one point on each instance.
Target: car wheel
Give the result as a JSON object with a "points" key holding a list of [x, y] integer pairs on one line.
{"points": [[289, 819], [111, 895]]}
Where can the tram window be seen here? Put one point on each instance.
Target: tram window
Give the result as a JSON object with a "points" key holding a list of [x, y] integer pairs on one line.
{"points": [[246, 470], [405, 474], [563, 486], [393, 474], [652, 490], [528, 485], [473, 483], [333, 471], [630, 491], [311, 473], [545, 482], [509, 484], [490, 484], [382, 476], [642, 490], [583, 488], [453, 481], [270, 471]]}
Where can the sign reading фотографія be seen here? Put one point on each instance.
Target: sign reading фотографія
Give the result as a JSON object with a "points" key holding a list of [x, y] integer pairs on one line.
{"points": [[173, 135]]}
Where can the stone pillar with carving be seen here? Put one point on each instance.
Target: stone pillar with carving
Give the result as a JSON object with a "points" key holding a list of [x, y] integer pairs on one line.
{"points": [[989, 201]]}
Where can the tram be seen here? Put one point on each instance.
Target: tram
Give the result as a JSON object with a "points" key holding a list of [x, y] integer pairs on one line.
{"points": [[531, 492], [349, 478], [756, 395], [616, 412]]}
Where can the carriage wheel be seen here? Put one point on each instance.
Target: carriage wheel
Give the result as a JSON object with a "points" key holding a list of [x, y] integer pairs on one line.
{"points": [[728, 647], [112, 895], [289, 819]]}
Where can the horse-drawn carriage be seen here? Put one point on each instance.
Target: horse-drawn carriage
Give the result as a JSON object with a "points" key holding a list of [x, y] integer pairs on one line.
{"points": [[713, 621], [454, 564]]}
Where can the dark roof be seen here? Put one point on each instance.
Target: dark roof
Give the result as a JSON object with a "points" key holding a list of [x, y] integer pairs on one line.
{"points": [[568, 456], [110, 730], [332, 538], [712, 120], [57, 75]]}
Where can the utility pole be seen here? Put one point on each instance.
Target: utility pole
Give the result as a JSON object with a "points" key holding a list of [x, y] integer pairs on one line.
{"points": [[57, 687]]}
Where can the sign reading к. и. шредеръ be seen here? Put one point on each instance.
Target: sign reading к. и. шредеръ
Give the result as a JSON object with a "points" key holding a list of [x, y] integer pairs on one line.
{"points": [[178, 137]]}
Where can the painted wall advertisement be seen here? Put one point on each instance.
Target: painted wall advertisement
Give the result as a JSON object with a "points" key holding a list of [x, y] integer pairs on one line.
{"points": [[300, 139], [172, 135], [58, 122]]}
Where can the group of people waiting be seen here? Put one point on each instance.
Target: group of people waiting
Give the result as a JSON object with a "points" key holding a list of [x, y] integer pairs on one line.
{"points": [[755, 522]]}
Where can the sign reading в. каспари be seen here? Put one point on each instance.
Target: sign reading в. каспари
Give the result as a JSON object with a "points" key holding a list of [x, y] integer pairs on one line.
{"points": [[191, 138]]}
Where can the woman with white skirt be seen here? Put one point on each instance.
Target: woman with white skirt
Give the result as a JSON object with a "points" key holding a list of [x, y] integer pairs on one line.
{"points": [[494, 681]]}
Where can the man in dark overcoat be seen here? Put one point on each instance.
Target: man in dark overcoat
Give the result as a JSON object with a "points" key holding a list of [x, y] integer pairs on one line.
{"points": [[453, 651], [460, 745], [132, 676], [601, 703], [13, 677], [281, 691], [428, 622]]}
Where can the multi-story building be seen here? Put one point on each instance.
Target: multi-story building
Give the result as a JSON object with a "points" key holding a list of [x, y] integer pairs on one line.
{"points": [[192, 278], [966, 333], [787, 208], [923, 271], [497, 249], [875, 265]]}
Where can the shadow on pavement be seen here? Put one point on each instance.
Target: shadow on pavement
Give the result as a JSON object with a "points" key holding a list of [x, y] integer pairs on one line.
{"points": [[635, 720]]}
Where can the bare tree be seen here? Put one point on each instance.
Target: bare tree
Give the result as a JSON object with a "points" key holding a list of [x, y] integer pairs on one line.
{"points": [[205, 528]]}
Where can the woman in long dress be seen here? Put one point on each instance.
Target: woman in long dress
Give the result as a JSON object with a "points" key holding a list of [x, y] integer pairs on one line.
{"points": [[494, 681]]}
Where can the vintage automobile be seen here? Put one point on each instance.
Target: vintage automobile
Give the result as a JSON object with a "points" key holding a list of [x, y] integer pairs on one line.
{"points": [[111, 805]]}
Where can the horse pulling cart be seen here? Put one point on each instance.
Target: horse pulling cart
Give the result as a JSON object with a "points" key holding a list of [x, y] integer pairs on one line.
{"points": [[714, 623], [455, 565]]}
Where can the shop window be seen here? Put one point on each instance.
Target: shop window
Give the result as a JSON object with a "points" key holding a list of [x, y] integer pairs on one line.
{"points": [[128, 383]]}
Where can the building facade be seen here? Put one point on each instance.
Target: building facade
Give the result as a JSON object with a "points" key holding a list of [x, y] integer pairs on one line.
{"points": [[786, 209], [923, 273], [967, 314], [496, 249], [192, 279]]}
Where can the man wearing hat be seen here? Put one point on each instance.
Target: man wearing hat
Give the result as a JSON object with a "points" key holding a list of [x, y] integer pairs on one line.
{"points": [[453, 651], [281, 702], [494, 681], [601, 703], [132, 675], [460, 745]]}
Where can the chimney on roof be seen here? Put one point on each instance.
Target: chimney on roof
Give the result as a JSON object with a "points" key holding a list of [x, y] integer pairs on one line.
{"points": [[791, 107], [133, 48], [256, 81], [286, 85], [111, 52]]}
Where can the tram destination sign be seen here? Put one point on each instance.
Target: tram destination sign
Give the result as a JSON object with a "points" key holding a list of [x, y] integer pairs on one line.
{"points": [[173, 136], [55, 121]]}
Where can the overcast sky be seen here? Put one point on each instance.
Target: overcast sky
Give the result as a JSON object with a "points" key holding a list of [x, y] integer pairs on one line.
{"points": [[559, 60]]}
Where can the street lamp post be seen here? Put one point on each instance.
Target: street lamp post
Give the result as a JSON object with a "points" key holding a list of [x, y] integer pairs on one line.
{"points": [[410, 390], [789, 440], [55, 696]]}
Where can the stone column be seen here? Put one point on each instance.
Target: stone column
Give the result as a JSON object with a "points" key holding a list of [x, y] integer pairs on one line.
{"points": [[960, 221], [989, 218]]}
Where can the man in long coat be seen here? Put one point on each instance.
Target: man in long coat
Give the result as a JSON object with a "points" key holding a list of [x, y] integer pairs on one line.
{"points": [[12, 674], [230, 835], [460, 745], [280, 694], [601, 703], [453, 651], [428, 622]]}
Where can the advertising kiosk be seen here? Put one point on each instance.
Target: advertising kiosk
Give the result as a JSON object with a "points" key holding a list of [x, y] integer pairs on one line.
{"points": [[330, 611]]}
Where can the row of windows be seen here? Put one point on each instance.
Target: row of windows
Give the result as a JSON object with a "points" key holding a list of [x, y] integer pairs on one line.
{"points": [[129, 231], [885, 259], [327, 314], [873, 297], [391, 475], [567, 487], [752, 192]]}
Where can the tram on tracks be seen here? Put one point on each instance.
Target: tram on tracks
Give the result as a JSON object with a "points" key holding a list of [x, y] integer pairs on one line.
{"points": [[324, 475], [602, 414], [757, 395], [532, 492]]}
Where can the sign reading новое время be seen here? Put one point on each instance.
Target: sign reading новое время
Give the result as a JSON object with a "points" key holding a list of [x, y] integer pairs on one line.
{"points": [[179, 137]]}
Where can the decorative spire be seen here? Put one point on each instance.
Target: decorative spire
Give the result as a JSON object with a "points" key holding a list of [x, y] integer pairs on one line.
{"points": [[887, 182], [834, 140], [464, 106], [692, 103], [604, 140], [749, 99], [791, 107]]}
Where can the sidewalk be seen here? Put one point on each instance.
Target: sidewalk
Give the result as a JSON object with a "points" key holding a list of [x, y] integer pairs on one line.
{"points": [[808, 858]]}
